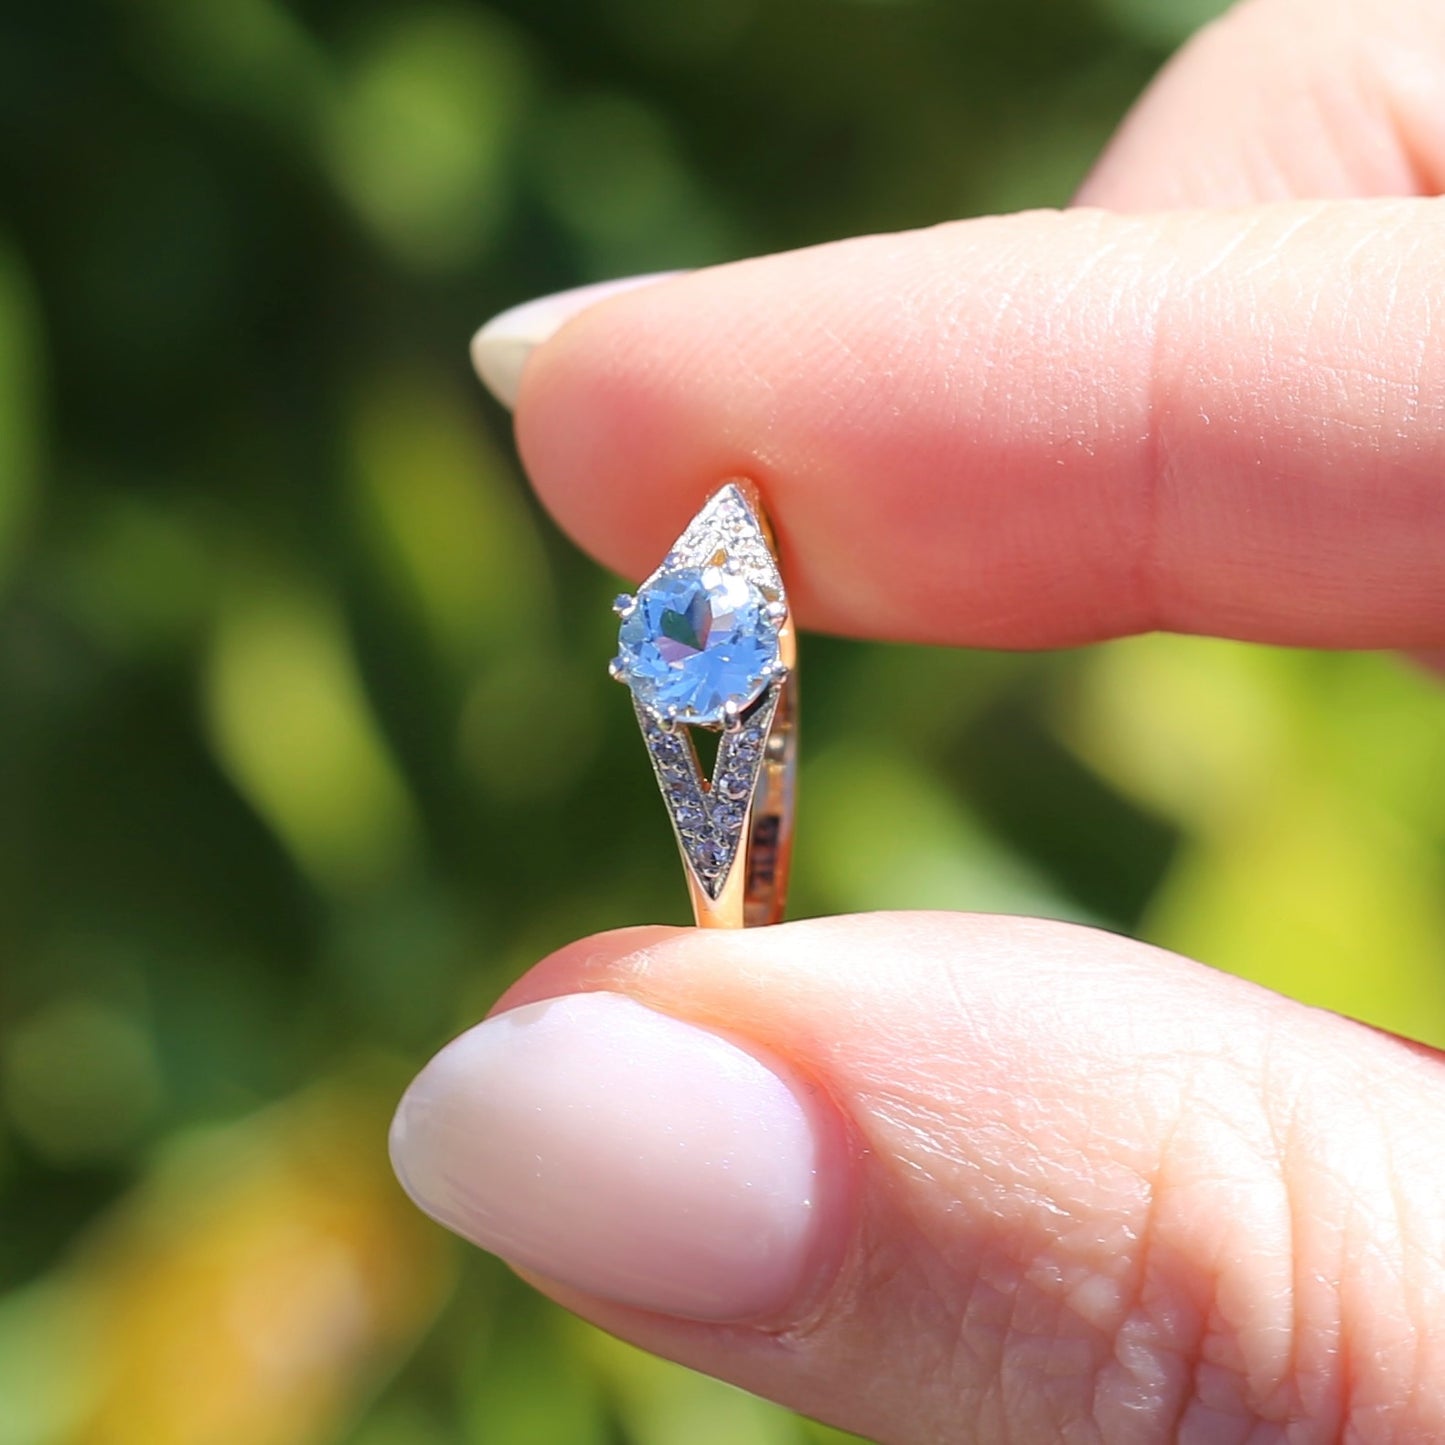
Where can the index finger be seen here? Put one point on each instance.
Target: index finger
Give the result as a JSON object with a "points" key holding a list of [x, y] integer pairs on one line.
{"points": [[1039, 430]]}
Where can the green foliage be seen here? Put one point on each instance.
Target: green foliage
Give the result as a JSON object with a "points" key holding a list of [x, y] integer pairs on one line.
{"points": [[267, 567]]}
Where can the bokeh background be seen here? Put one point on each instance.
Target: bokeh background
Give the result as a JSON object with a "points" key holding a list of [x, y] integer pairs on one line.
{"points": [[268, 567]]}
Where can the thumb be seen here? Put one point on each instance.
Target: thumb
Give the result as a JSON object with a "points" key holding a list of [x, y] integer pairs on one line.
{"points": [[944, 1177]]}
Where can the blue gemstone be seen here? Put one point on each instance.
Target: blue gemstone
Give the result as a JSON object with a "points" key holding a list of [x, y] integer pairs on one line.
{"points": [[698, 639]]}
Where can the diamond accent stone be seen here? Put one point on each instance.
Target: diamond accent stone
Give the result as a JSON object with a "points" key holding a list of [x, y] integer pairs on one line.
{"points": [[688, 813], [709, 817], [727, 524], [728, 817]]}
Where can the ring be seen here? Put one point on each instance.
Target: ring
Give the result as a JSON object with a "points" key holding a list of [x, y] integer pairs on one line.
{"points": [[707, 644]]}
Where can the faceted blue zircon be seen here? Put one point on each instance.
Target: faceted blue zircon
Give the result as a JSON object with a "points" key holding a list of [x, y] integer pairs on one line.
{"points": [[698, 639]]}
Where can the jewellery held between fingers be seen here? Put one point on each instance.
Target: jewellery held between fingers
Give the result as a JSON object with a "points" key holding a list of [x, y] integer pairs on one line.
{"points": [[708, 642]]}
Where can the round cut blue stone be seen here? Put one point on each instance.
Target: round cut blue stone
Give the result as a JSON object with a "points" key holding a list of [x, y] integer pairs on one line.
{"points": [[698, 639]]}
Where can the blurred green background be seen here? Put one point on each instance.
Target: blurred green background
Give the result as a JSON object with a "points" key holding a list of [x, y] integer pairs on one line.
{"points": [[267, 564]]}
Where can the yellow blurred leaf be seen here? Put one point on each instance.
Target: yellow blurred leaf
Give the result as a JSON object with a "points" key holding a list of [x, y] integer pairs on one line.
{"points": [[49, 1354], [291, 725], [1192, 727], [420, 132], [1381, 721], [878, 832], [261, 1283], [445, 516], [1319, 896], [1312, 787]]}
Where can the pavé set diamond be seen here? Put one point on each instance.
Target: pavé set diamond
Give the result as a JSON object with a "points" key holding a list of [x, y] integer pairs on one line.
{"points": [[707, 642]]}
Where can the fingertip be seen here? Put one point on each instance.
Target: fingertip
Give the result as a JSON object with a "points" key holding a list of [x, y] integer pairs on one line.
{"points": [[498, 356], [628, 1153], [587, 963], [502, 347]]}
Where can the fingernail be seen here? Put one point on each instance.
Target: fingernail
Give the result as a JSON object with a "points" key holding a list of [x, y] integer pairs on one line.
{"points": [[619, 1151], [501, 348]]}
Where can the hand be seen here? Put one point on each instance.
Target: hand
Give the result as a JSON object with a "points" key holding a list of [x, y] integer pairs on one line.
{"points": [[944, 1177]]}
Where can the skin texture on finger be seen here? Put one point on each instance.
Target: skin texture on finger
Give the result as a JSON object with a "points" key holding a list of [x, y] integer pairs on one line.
{"points": [[1039, 430], [1100, 1194], [1288, 98]]}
